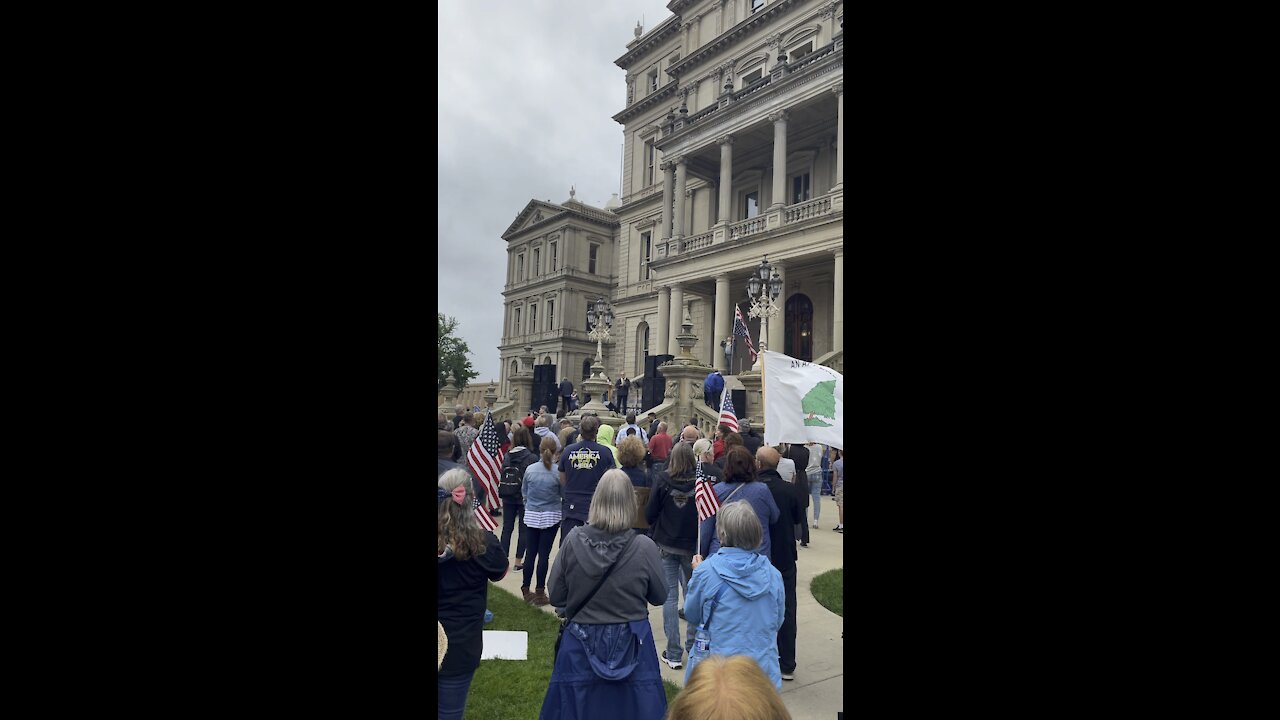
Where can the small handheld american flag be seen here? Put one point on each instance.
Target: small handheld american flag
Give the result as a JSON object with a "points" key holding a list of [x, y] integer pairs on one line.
{"points": [[727, 417], [482, 458], [704, 497]]}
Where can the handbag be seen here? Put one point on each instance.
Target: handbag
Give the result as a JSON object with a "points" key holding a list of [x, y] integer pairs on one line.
{"points": [[568, 617], [702, 639]]}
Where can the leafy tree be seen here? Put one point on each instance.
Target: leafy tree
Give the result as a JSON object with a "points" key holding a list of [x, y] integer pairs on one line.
{"points": [[821, 401], [453, 353]]}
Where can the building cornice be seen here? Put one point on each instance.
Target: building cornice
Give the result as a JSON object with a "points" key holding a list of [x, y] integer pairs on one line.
{"points": [[744, 29], [648, 102], [665, 30]]}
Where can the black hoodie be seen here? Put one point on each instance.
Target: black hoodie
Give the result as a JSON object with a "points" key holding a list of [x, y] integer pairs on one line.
{"points": [[782, 534], [673, 515]]}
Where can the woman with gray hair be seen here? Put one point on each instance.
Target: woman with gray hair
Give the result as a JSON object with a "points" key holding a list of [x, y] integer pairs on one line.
{"points": [[605, 576], [736, 598]]}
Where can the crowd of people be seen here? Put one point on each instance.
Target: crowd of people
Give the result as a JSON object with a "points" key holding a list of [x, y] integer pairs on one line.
{"points": [[625, 509]]}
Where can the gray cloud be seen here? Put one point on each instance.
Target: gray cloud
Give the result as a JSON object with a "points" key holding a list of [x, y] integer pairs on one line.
{"points": [[527, 89]]}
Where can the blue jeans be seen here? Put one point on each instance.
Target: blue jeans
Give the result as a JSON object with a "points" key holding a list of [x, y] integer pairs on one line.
{"points": [[815, 492], [452, 691], [679, 568]]}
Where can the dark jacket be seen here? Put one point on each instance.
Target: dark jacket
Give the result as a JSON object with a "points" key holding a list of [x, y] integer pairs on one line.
{"points": [[462, 592], [636, 583], [521, 458], [566, 388], [752, 441], [782, 534], [714, 471], [673, 514]]}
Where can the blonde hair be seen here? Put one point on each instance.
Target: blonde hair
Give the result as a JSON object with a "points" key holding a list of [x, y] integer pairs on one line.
{"points": [[613, 506], [456, 526], [702, 447], [728, 688], [630, 451]]}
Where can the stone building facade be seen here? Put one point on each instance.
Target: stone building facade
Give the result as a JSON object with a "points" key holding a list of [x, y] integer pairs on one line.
{"points": [[733, 152]]}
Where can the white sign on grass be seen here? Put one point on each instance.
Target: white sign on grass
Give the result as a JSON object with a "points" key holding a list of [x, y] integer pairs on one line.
{"points": [[505, 645]]}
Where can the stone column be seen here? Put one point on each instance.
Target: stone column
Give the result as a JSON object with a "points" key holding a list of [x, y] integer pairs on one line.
{"points": [[724, 321], [677, 315], [726, 179], [682, 176], [837, 309], [490, 397], [839, 91], [522, 382], [779, 120], [777, 322], [450, 393], [668, 195], [662, 338]]}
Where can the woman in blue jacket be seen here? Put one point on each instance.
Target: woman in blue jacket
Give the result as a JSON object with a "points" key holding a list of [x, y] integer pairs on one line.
{"points": [[736, 595], [541, 492]]}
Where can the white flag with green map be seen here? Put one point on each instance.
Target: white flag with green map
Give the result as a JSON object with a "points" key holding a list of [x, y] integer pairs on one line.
{"points": [[803, 402]]}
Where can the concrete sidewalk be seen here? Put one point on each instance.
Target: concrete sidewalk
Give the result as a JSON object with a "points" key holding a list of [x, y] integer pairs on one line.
{"points": [[817, 693]]}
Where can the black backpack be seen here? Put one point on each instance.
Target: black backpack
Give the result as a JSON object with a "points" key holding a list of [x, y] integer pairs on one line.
{"points": [[513, 468]]}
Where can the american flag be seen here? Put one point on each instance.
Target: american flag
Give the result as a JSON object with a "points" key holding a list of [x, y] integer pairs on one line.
{"points": [[704, 496], [483, 517], [727, 417], [482, 458], [740, 329]]}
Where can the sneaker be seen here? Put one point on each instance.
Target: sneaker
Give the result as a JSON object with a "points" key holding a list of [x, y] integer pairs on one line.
{"points": [[804, 544], [839, 528], [673, 664], [815, 526], [789, 675], [682, 617]]}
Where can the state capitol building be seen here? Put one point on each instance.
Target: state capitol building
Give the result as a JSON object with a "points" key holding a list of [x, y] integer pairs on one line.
{"points": [[732, 154]]}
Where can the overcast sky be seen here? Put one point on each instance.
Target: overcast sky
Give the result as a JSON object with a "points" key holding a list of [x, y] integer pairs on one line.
{"points": [[527, 91]]}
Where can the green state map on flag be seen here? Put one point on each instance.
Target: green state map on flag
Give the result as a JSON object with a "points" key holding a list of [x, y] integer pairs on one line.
{"points": [[803, 402], [819, 404]]}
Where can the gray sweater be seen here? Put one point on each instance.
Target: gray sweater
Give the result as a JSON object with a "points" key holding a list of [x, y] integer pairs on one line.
{"points": [[586, 554]]}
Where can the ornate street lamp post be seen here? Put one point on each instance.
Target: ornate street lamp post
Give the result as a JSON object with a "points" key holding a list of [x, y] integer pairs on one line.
{"points": [[600, 316], [763, 288]]}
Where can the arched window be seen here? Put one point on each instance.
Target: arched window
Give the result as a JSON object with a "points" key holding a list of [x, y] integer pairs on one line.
{"points": [[798, 329], [546, 360]]}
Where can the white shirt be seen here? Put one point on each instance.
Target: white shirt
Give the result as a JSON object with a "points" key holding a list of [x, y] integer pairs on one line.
{"points": [[787, 469]]}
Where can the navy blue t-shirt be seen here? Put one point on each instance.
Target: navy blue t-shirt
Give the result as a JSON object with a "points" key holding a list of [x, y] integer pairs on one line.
{"points": [[583, 464]]}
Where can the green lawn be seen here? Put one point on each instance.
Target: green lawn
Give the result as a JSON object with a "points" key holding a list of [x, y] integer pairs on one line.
{"points": [[828, 589], [514, 689]]}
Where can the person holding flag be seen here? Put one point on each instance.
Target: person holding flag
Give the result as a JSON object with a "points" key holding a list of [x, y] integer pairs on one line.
{"points": [[462, 586], [482, 460], [674, 514], [739, 484]]}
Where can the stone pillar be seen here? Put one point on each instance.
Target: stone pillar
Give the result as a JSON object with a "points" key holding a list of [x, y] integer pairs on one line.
{"points": [[839, 91], [450, 393], [724, 321], [752, 382], [522, 382], [726, 179], [668, 195], [684, 376], [490, 397], [662, 337], [779, 120], [776, 323], [676, 316], [682, 176], [837, 308]]}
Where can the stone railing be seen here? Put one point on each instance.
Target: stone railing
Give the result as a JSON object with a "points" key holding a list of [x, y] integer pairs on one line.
{"points": [[807, 209], [698, 242], [833, 360], [746, 227]]}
